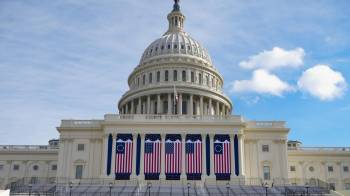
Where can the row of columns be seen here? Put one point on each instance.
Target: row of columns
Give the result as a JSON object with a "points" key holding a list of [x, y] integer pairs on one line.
{"points": [[183, 168], [156, 106]]}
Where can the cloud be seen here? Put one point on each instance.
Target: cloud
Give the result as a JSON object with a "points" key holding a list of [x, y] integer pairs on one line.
{"points": [[262, 82], [322, 82], [275, 58]]}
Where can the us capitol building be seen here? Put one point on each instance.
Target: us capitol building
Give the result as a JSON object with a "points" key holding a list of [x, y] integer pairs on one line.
{"points": [[175, 124]]}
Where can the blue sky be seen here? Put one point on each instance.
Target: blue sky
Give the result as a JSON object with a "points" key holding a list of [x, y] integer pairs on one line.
{"points": [[70, 59]]}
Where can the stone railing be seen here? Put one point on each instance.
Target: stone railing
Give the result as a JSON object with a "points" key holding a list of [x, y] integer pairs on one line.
{"points": [[266, 124], [320, 149], [169, 118], [81, 123], [28, 148]]}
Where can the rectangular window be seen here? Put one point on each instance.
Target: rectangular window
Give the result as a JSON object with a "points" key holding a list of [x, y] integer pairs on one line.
{"points": [[330, 168], [192, 76], [78, 172], [165, 106], [53, 167], [1, 167], [184, 107], [158, 76], [200, 78], [265, 148], [81, 147], [266, 172], [15, 167], [166, 75], [346, 169], [144, 79], [347, 186], [292, 168], [150, 78], [175, 75], [138, 81]]}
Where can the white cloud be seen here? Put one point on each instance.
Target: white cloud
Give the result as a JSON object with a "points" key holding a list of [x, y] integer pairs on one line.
{"points": [[322, 82], [275, 58], [262, 82]]}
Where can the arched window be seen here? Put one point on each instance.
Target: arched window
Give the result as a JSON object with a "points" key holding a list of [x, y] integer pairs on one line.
{"points": [[138, 81], [150, 78], [166, 75], [144, 79], [175, 75], [192, 76], [200, 78], [207, 79], [184, 76]]}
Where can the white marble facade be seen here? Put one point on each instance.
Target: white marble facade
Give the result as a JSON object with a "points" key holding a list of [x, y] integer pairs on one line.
{"points": [[175, 89]]}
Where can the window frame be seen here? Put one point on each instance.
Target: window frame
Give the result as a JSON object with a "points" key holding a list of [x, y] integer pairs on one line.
{"points": [[81, 170], [175, 75], [15, 167], [81, 147], [292, 168], [346, 168], [267, 175], [265, 148]]}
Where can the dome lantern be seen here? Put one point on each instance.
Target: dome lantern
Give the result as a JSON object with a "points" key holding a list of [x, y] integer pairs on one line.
{"points": [[176, 19]]}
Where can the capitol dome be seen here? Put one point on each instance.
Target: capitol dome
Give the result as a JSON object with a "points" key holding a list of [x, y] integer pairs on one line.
{"points": [[177, 43], [175, 76]]}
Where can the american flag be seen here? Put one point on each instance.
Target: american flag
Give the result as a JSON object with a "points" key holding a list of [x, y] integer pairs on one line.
{"points": [[123, 158], [222, 157], [152, 156], [193, 157], [173, 151]]}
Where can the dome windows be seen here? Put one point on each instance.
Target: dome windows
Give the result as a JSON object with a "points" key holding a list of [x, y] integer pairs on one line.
{"points": [[158, 76], [150, 78], [168, 46], [175, 46], [182, 47], [162, 47], [184, 76], [166, 75], [175, 75]]}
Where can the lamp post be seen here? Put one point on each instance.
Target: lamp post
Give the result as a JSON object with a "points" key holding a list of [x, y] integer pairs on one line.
{"points": [[307, 186], [266, 187], [110, 189], [30, 189], [70, 188], [149, 188], [188, 189], [228, 189]]}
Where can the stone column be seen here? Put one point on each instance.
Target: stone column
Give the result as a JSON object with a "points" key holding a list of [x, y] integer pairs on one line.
{"points": [[217, 112], [232, 139], [162, 157], [122, 112], [148, 104], [179, 107], [210, 107], [191, 105], [104, 155], [158, 104], [169, 104], [201, 105], [241, 154], [211, 137], [142, 161], [204, 157], [139, 106], [126, 108], [114, 136], [132, 107], [134, 147], [183, 157]]}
